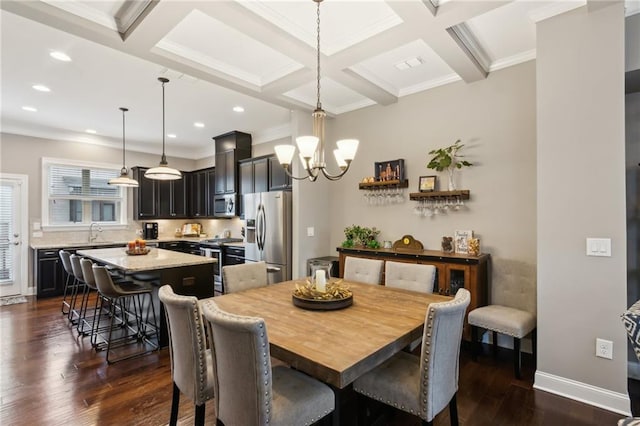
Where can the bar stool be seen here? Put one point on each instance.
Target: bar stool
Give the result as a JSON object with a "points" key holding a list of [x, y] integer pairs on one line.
{"points": [[69, 282], [134, 325], [79, 284]]}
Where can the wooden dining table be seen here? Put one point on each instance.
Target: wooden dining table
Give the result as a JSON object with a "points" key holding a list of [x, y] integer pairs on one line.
{"points": [[338, 346]]}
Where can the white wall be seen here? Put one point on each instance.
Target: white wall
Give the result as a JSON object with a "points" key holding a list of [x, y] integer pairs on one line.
{"points": [[581, 193]]}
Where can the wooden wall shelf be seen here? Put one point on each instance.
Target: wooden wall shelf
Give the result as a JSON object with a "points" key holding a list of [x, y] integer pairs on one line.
{"points": [[385, 184], [463, 194]]}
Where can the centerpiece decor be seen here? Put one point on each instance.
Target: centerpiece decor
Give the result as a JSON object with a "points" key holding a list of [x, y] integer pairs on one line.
{"points": [[332, 295], [361, 236], [448, 159]]}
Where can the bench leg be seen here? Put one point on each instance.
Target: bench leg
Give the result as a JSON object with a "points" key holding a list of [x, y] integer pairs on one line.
{"points": [[475, 344], [516, 358], [534, 347], [495, 344]]}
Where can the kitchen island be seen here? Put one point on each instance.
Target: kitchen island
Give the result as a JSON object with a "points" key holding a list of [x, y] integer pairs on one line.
{"points": [[187, 274]]}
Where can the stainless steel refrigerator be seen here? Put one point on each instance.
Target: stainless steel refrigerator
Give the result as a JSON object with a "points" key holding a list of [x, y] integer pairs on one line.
{"points": [[268, 232]]}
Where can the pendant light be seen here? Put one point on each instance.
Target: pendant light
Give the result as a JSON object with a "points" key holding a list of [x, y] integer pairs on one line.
{"points": [[123, 179], [312, 147], [163, 171]]}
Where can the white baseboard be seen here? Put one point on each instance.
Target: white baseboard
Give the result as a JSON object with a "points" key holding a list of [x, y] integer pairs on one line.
{"points": [[592, 395]]}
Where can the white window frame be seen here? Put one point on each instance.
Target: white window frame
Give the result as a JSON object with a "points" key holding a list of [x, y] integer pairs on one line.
{"points": [[47, 162]]}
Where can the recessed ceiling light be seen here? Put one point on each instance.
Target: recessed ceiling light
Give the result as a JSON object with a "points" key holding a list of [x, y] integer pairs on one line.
{"points": [[238, 109], [61, 56], [198, 124], [41, 88], [93, 132], [171, 135], [29, 108]]}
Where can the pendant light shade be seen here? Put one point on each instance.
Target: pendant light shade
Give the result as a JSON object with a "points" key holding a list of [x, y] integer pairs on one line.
{"points": [[163, 171], [123, 179]]}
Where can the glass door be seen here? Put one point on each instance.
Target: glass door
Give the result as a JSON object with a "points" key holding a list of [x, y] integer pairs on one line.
{"points": [[12, 254]]}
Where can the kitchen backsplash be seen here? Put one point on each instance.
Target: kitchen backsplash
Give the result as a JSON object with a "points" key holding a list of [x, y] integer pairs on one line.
{"points": [[166, 230]]}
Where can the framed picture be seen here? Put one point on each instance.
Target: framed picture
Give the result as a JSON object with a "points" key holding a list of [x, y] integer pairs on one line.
{"points": [[461, 241], [427, 183], [389, 170]]}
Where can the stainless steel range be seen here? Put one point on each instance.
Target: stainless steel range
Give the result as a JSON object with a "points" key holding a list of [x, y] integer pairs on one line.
{"points": [[214, 248]]}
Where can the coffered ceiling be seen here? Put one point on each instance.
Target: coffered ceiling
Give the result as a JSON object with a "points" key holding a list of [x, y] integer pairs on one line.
{"points": [[258, 54]]}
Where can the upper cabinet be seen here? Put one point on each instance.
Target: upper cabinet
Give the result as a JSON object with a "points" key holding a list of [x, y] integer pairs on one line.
{"points": [[230, 148], [145, 196], [201, 192], [173, 198], [279, 180]]}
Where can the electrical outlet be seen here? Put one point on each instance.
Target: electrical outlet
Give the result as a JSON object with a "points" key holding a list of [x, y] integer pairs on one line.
{"points": [[604, 348]]}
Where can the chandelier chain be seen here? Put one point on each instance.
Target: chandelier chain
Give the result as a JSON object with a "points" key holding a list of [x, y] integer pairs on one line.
{"points": [[319, 105], [123, 160]]}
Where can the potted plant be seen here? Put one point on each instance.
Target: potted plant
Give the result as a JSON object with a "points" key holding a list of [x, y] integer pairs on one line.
{"points": [[361, 236], [448, 159]]}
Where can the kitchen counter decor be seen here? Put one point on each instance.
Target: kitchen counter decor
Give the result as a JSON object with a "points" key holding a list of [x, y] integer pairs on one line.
{"points": [[336, 296], [138, 252]]}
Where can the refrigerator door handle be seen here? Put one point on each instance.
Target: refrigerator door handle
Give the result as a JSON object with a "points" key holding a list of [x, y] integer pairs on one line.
{"points": [[261, 227], [272, 269]]}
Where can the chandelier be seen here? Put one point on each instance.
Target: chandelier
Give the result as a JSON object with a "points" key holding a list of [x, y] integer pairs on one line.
{"points": [[312, 147], [123, 179], [163, 171]]}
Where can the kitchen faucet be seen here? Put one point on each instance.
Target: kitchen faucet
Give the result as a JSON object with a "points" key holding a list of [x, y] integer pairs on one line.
{"points": [[93, 237]]}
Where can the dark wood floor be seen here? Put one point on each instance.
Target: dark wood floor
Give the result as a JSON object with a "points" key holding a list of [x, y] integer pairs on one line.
{"points": [[49, 376]]}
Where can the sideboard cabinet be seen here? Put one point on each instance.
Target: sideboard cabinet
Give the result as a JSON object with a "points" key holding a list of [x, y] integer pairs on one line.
{"points": [[453, 271]]}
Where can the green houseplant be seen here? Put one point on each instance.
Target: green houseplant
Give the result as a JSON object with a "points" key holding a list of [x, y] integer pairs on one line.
{"points": [[448, 159], [361, 236]]}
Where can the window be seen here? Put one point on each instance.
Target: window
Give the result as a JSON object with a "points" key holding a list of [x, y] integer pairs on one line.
{"points": [[77, 193]]}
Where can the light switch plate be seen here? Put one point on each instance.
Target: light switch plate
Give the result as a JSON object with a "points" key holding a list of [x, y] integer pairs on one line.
{"points": [[599, 247], [311, 231]]}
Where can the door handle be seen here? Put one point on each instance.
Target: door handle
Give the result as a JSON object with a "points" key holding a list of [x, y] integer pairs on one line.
{"points": [[16, 243], [272, 269]]}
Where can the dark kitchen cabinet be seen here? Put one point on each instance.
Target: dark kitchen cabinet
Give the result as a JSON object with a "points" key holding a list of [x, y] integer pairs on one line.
{"points": [[145, 196], [155, 199], [49, 273], [230, 148], [254, 177], [201, 192], [172, 198], [279, 180]]}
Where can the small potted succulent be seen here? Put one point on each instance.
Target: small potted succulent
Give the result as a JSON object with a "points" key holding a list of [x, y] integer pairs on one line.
{"points": [[361, 236], [448, 159]]}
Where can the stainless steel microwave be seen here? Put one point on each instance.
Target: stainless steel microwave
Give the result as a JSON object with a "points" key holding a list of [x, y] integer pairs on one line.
{"points": [[225, 205]]}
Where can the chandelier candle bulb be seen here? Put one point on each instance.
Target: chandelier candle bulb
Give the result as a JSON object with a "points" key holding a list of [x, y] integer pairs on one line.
{"points": [[321, 281]]}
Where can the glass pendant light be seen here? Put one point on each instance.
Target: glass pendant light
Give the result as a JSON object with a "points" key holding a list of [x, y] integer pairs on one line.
{"points": [[163, 171], [123, 179]]}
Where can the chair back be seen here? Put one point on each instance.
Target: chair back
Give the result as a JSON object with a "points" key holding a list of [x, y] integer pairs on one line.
{"points": [[410, 276], [244, 276], [440, 354], [65, 256], [76, 267], [87, 273], [105, 284], [242, 366], [513, 284], [366, 271], [188, 349]]}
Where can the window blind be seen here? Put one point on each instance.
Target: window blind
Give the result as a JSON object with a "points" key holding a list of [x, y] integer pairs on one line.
{"points": [[6, 230]]}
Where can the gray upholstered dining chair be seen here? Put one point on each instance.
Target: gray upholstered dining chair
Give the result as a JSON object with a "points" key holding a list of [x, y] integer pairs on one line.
{"points": [[250, 392], [410, 276], [244, 276], [424, 385], [191, 361], [512, 310], [362, 270]]}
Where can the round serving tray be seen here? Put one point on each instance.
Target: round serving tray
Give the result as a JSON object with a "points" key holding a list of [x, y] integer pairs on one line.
{"points": [[321, 305]]}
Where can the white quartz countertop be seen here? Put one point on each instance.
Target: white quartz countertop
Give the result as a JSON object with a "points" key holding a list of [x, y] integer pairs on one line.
{"points": [[156, 259]]}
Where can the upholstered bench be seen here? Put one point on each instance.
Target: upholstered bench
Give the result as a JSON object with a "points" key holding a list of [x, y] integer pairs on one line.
{"points": [[504, 320], [512, 312]]}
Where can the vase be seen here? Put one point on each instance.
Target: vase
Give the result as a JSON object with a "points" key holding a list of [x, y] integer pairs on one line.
{"points": [[452, 183]]}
